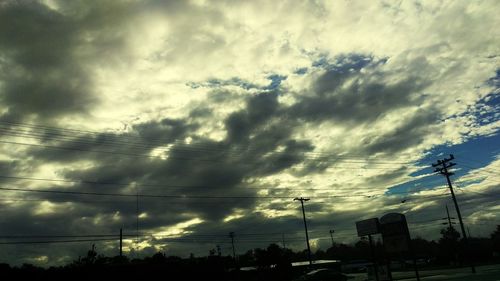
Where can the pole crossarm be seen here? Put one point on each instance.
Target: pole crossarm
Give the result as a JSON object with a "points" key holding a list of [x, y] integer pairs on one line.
{"points": [[442, 166]]}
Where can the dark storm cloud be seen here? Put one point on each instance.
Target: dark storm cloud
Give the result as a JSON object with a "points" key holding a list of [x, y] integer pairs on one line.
{"points": [[47, 56], [67, 146], [67, 219], [411, 133], [43, 223], [166, 131], [200, 168], [293, 153], [118, 158], [8, 167], [248, 151], [346, 95], [241, 124], [262, 128], [339, 70], [360, 102], [40, 73]]}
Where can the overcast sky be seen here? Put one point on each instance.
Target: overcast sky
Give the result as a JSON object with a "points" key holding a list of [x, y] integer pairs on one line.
{"points": [[219, 113]]}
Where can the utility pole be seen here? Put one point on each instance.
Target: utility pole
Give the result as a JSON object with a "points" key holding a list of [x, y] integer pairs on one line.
{"points": [[331, 235], [137, 220], [302, 199], [442, 167], [231, 235], [283, 238], [121, 243]]}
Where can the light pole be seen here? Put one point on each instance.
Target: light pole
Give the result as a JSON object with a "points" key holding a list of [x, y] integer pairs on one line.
{"points": [[302, 199], [331, 235]]}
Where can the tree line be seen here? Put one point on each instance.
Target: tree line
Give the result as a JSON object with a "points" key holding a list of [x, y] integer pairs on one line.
{"points": [[271, 263]]}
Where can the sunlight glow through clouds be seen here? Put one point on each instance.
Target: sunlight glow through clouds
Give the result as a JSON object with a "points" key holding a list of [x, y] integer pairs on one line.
{"points": [[178, 229]]}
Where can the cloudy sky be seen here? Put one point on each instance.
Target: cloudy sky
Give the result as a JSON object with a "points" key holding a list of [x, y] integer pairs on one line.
{"points": [[187, 120]]}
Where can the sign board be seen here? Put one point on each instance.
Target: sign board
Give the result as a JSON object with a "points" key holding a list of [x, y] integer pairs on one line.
{"points": [[395, 233], [367, 227]]}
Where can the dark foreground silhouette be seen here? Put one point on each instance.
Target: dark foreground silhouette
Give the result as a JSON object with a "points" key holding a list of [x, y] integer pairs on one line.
{"points": [[273, 263]]}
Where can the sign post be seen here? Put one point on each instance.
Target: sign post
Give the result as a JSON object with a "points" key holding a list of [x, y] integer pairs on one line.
{"points": [[367, 228]]}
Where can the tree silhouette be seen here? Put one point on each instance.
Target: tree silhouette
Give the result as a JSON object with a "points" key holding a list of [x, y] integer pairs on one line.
{"points": [[449, 244], [273, 262], [495, 239]]}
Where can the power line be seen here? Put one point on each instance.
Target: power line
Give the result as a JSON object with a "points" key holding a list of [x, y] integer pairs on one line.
{"points": [[86, 201], [159, 142], [167, 240], [56, 130], [167, 186], [212, 198], [192, 148], [153, 185], [108, 152], [57, 236], [171, 157], [159, 196], [55, 241], [242, 236], [142, 195]]}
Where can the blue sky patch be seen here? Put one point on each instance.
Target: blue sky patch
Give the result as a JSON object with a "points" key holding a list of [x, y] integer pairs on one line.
{"points": [[275, 81], [473, 154], [343, 63], [301, 71]]}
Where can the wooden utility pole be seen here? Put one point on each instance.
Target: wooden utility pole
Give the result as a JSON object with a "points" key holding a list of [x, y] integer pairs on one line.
{"points": [[302, 199], [442, 167]]}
